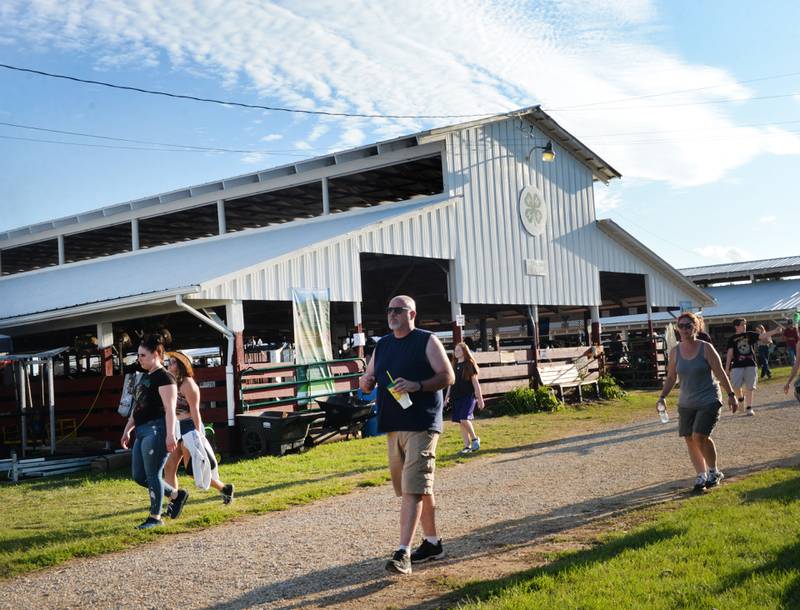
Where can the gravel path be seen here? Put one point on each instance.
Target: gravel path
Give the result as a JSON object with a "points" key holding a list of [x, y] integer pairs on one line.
{"points": [[487, 507]]}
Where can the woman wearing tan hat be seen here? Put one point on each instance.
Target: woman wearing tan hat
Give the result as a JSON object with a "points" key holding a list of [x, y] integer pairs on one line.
{"points": [[187, 413]]}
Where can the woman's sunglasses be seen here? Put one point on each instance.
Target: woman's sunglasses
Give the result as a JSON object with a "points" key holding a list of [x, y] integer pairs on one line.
{"points": [[686, 325]]}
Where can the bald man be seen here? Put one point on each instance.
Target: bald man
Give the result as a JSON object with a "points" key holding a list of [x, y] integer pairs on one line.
{"points": [[416, 362]]}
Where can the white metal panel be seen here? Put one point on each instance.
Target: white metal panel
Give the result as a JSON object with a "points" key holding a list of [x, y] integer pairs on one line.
{"points": [[488, 166], [426, 232]]}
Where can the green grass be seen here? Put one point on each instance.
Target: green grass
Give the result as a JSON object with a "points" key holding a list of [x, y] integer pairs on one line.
{"points": [[49, 521], [737, 547]]}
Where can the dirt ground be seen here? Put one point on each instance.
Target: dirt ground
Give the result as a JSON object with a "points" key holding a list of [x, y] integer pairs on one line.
{"points": [[498, 514]]}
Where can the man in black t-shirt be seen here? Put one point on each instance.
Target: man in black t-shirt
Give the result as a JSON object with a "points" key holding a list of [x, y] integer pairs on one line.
{"points": [[740, 362]]}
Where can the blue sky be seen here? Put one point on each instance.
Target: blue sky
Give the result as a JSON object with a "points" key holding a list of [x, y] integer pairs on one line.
{"points": [[708, 173]]}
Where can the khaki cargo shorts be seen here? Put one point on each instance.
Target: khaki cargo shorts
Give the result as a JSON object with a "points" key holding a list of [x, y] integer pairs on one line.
{"points": [[412, 461]]}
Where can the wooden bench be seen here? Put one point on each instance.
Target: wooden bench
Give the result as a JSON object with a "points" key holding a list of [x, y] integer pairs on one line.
{"points": [[563, 368]]}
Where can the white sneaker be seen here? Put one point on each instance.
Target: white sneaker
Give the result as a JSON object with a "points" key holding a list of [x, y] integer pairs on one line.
{"points": [[714, 478], [749, 411], [466, 450], [476, 444], [699, 483]]}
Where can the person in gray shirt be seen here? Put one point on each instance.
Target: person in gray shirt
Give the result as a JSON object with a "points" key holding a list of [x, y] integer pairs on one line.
{"points": [[700, 402]]}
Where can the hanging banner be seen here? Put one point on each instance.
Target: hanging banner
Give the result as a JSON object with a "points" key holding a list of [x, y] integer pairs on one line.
{"points": [[312, 338]]}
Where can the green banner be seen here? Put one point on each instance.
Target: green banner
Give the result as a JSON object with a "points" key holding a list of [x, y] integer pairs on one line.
{"points": [[312, 338]]}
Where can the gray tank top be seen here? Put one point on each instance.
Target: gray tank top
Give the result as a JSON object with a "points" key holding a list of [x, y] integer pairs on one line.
{"points": [[699, 389]]}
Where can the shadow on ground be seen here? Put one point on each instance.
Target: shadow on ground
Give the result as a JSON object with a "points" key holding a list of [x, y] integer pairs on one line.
{"points": [[357, 580]]}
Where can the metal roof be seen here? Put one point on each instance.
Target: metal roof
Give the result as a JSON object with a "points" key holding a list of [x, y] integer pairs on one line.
{"points": [[149, 205], [145, 276], [777, 297], [744, 269]]}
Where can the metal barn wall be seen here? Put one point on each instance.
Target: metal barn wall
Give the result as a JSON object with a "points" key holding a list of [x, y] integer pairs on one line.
{"points": [[612, 256], [487, 165], [336, 265]]}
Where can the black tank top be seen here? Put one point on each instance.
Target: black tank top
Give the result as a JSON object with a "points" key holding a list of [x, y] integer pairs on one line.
{"points": [[406, 358]]}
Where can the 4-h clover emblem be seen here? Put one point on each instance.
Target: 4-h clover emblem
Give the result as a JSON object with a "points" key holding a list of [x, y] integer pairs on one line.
{"points": [[533, 210]]}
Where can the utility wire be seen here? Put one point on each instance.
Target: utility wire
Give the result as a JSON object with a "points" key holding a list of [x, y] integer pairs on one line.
{"points": [[678, 92], [239, 104], [121, 147], [115, 139], [677, 105]]}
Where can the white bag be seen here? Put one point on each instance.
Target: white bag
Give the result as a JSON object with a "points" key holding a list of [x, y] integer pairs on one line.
{"points": [[128, 388]]}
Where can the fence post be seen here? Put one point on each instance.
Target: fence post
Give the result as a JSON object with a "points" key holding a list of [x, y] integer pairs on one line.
{"points": [[14, 467]]}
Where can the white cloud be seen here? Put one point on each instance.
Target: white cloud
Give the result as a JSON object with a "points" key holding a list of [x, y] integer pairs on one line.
{"points": [[253, 158], [766, 219], [724, 254], [302, 145], [606, 200], [272, 137], [444, 57]]}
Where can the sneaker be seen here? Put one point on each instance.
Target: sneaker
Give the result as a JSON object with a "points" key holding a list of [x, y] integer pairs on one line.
{"points": [[149, 523], [749, 411], [400, 563], [227, 493], [714, 479], [466, 450], [427, 551], [476, 444], [699, 483], [175, 507]]}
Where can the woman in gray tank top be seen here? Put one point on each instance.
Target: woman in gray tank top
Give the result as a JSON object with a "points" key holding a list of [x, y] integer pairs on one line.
{"points": [[699, 403]]}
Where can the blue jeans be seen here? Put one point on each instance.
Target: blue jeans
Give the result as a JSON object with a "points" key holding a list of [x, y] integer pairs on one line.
{"points": [[763, 357], [148, 457], [791, 354]]}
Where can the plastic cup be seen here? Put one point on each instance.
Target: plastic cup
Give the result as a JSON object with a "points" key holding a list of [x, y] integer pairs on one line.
{"points": [[401, 397]]}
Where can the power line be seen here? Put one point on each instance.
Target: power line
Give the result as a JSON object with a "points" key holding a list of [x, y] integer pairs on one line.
{"points": [[692, 130], [238, 104], [678, 92], [703, 103], [119, 147], [115, 139]]}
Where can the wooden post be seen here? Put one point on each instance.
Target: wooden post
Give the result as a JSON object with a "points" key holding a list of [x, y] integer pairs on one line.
{"points": [[484, 336], [594, 310], [359, 326], [533, 355], [105, 339]]}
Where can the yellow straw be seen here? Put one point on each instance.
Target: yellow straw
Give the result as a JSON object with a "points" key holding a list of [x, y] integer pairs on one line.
{"points": [[390, 376]]}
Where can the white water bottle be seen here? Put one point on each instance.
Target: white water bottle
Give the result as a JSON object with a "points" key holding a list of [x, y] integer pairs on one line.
{"points": [[662, 411]]}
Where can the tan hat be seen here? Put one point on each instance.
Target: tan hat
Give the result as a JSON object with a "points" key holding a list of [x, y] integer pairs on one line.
{"points": [[184, 360]]}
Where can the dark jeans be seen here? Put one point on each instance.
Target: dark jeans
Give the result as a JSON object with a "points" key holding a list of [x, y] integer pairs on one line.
{"points": [[763, 360], [148, 457]]}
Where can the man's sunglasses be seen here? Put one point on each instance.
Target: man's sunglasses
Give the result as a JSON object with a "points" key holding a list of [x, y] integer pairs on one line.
{"points": [[686, 325], [396, 310]]}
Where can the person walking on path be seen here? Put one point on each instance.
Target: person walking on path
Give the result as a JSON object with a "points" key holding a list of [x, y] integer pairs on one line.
{"points": [[187, 413], [791, 337], [699, 403], [466, 395], [740, 362], [153, 417], [410, 363], [765, 345], [792, 375]]}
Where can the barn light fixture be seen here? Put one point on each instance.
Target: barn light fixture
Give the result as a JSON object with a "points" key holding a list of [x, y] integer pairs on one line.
{"points": [[548, 154]]}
